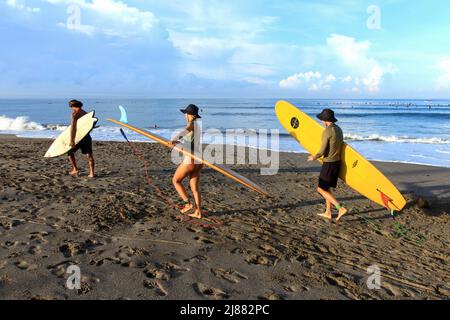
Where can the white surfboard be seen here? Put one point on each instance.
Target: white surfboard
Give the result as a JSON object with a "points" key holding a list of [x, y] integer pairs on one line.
{"points": [[62, 144]]}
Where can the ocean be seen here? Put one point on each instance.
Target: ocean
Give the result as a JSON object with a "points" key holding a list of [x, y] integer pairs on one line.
{"points": [[408, 131]]}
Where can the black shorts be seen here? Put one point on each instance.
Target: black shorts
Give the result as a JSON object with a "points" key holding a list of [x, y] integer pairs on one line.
{"points": [[84, 145], [329, 175]]}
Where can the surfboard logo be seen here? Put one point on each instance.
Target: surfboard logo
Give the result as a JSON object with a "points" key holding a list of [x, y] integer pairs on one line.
{"points": [[295, 123], [355, 164]]}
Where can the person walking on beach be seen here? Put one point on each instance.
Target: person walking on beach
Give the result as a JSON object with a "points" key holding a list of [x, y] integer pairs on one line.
{"points": [[330, 150], [84, 145], [189, 138]]}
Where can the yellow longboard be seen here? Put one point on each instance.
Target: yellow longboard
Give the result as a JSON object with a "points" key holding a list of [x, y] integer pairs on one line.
{"points": [[356, 171], [225, 171]]}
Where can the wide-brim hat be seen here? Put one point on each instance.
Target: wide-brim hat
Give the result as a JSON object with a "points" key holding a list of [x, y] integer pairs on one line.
{"points": [[192, 110], [327, 115]]}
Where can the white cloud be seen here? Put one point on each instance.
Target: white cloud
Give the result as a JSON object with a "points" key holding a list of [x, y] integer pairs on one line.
{"points": [[330, 78], [312, 79], [110, 17], [354, 56], [347, 79], [362, 72], [230, 58], [224, 42], [443, 66], [17, 4]]}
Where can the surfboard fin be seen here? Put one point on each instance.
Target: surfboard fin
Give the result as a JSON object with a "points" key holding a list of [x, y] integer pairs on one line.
{"points": [[123, 115]]}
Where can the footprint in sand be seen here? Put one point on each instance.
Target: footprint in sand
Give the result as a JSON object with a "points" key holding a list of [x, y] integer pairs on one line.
{"points": [[69, 249], [292, 289], [23, 265], [35, 250], [157, 274], [204, 240], [38, 237], [197, 258], [172, 268], [59, 271], [262, 260], [9, 224], [229, 275], [268, 248], [159, 289], [9, 244], [210, 292], [271, 296], [90, 279], [134, 264]]}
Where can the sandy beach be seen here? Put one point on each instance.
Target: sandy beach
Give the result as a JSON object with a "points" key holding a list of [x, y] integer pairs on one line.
{"points": [[130, 244]]}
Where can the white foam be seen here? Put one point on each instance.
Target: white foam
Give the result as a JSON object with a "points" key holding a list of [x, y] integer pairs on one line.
{"points": [[443, 151], [402, 139], [19, 124]]}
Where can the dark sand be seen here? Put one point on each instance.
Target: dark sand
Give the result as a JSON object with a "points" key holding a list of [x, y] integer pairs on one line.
{"points": [[130, 244]]}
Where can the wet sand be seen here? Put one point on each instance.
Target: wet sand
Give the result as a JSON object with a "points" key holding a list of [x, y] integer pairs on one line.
{"points": [[131, 244]]}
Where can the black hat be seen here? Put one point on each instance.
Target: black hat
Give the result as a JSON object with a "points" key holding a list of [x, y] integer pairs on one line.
{"points": [[327, 115], [192, 110]]}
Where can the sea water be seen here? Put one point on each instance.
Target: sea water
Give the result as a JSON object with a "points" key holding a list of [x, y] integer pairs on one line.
{"points": [[410, 131]]}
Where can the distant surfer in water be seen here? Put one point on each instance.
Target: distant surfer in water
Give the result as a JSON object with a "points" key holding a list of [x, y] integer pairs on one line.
{"points": [[189, 138], [84, 145], [330, 150]]}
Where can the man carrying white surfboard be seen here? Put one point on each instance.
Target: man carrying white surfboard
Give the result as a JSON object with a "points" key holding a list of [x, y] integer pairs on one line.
{"points": [[84, 145], [330, 150]]}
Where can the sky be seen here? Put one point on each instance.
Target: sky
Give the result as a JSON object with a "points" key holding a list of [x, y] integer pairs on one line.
{"points": [[225, 49]]}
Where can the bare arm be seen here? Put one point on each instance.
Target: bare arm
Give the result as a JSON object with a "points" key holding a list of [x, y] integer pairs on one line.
{"points": [[73, 130], [189, 128]]}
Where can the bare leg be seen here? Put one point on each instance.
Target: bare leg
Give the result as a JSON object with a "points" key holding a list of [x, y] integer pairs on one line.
{"points": [[329, 197], [182, 172], [194, 183], [74, 170], [91, 165], [327, 213]]}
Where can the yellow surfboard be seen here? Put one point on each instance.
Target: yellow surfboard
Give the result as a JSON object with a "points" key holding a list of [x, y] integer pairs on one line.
{"points": [[356, 171], [225, 171]]}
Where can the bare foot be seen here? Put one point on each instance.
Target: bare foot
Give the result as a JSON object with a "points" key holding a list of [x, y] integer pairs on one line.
{"points": [[187, 207], [91, 176], [74, 172], [326, 215], [342, 212], [197, 214]]}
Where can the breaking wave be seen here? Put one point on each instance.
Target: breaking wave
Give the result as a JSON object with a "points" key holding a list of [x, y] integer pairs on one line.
{"points": [[401, 139], [21, 124]]}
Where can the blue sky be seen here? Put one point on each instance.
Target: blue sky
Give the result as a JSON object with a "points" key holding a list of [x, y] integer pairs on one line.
{"points": [[210, 48]]}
